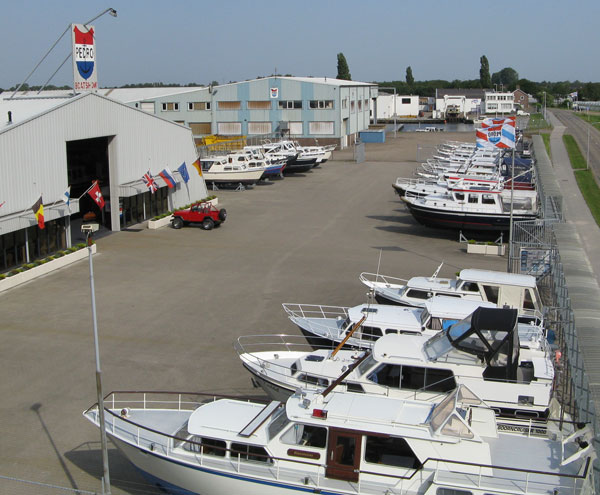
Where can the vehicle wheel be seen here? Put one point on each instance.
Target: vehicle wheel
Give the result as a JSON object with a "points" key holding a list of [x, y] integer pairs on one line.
{"points": [[222, 214], [177, 223], [208, 224]]}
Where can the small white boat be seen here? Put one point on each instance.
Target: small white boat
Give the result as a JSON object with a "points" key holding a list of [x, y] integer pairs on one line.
{"points": [[340, 443], [507, 364], [503, 289], [223, 169], [327, 326]]}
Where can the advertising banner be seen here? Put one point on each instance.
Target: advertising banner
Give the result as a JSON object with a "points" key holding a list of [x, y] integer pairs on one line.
{"points": [[84, 58]]}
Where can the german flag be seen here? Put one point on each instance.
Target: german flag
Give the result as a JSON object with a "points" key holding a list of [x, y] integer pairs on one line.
{"points": [[196, 165], [38, 211]]}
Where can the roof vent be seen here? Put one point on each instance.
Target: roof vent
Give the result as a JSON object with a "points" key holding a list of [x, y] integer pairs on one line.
{"points": [[10, 117]]}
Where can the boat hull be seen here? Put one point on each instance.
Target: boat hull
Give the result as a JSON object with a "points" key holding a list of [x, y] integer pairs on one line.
{"points": [[274, 390], [246, 177], [464, 221], [179, 478]]}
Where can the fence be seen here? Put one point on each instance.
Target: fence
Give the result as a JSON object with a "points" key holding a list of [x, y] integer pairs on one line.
{"points": [[550, 250]]}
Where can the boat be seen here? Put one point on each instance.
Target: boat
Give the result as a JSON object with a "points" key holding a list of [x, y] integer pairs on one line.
{"points": [[514, 290], [273, 165], [341, 443], [296, 160], [508, 367], [472, 208], [360, 326], [224, 170]]}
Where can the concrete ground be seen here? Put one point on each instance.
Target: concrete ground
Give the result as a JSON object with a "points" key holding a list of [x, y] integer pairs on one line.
{"points": [[172, 302]]}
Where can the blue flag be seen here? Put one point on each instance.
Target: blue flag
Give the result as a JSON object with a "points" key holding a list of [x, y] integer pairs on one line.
{"points": [[184, 173]]}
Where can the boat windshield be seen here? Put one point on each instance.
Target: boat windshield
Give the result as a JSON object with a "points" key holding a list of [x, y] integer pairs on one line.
{"points": [[366, 365], [437, 346], [278, 423], [425, 317]]}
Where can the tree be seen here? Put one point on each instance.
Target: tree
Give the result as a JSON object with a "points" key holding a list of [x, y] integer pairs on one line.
{"points": [[485, 80], [508, 77], [342, 68], [410, 80]]}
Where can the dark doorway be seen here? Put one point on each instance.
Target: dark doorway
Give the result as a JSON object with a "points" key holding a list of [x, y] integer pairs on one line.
{"points": [[343, 455], [87, 161]]}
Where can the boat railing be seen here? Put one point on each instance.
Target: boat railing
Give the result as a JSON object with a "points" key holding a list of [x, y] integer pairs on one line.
{"points": [[315, 311], [369, 279], [443, 472], [250, 344]]}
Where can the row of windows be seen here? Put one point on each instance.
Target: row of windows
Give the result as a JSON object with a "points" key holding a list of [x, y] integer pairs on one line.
{"points": [[261, 105], [259, 128]]}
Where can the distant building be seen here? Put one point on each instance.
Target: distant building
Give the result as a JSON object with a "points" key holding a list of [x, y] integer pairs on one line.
{"points": [[498, 102], [404, 106], [450, 102], [521, 99]]}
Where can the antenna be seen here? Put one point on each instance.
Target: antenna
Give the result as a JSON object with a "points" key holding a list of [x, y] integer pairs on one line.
{"points": [[435, 274]]}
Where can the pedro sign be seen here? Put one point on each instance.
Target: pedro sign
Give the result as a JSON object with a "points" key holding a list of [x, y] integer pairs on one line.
{"points": [[84, 58]]}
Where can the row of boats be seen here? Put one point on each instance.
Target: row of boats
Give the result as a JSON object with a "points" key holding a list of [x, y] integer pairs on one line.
{"points": [[466, 188], [433, 386], [265, 161]]}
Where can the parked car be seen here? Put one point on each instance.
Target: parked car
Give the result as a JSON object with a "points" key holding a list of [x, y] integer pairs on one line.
{"points": [[522, 113], [204, 213]]}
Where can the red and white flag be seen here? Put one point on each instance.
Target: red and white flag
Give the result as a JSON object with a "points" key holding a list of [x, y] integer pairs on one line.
{"points": [[150, 182], [96, 195]]}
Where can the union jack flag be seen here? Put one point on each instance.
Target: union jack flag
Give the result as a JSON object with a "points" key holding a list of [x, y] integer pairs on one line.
{"points": [[150, 182]]}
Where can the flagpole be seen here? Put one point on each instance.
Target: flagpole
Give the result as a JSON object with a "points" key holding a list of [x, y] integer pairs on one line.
{"points": [[88, 189], [512, 190]]}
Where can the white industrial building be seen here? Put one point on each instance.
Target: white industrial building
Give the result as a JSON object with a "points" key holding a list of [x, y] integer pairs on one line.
{"points": [[49, 144], [499, 102], [388, 106], [457, 103]]}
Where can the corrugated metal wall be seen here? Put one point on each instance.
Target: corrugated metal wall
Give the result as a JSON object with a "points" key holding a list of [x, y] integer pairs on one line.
{"points": [[33, 155]]}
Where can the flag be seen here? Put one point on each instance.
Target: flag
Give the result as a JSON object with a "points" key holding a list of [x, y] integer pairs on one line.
{"points": [[38, 211], [491, 122], [182, 169], [2, 204], [573, 95], [96, 195], [66, 197], [150, 182], [167, 176], [497, 136], [196, 165]]}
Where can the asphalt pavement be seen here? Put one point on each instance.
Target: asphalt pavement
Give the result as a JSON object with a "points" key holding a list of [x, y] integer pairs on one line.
{"points": [[171, 303]]}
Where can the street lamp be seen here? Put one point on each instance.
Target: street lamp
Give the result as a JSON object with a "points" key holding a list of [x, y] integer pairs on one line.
{"points": [[88, 230], [544, 105]]}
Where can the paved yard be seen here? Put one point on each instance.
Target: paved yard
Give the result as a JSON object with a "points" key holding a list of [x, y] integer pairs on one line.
{"points": [[172, 302]]}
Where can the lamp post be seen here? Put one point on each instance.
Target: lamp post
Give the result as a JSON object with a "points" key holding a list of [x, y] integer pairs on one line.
{"points": [[544, 105], [88, 229]]}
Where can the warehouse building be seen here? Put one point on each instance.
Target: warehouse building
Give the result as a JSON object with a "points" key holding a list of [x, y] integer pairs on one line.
{"points": [[400, 106], [306, 109], [50, 144]]}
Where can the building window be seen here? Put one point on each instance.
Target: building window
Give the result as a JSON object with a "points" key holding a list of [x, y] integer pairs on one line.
{"points": [[259, 105], [259, 127], [406, 101], [290, 104], [200, 128], [296, 128], [352, 106], [229, 105], [366, 103], [170, 107], [320, 128], [345, 103], [147, 106], [198, 105], [321, 104], [360, 105], [229, 128]]}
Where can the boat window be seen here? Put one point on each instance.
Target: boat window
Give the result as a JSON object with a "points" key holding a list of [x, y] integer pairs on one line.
{"points": [[473, 198], [491, 293], [456, 428], [469, 287], [391, 330], [425, 317], [305, 435], [387, 375], [459, 196], [390, 451], [293, 369], [488, 199], [355, 387], [208, 446], [313, 380], [528, 300], [247, 452], [418, 294], [437, 346], [435, 324], [439, 380], [371, 333], [278, 423], [453, 491]]}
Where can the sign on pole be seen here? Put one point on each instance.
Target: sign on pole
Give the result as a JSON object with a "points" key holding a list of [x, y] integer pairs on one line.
{"points": [[84, 58]]}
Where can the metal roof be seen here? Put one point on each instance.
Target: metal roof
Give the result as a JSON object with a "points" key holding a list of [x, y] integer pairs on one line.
{"points": [[501, 278]]}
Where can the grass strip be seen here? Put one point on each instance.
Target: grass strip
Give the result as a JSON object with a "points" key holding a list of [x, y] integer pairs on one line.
{"points": [[575, 156], [590, 191], [546, 138], [536, 121], [592, 118]]}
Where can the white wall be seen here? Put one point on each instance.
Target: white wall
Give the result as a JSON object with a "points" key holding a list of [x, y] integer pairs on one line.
{"points": [[406, 106]]}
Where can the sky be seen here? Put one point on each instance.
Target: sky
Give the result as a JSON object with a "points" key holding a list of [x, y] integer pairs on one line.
{"points": [[185, 41]]}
